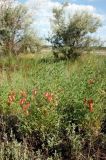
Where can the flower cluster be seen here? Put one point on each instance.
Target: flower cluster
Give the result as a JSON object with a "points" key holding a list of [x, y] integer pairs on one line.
{"points": [[89, 103], [26, 106], [48, 96], [11, 98], [24, 102]]}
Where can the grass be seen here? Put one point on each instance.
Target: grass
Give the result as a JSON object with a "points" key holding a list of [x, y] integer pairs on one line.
{"points": [[63, 111]]}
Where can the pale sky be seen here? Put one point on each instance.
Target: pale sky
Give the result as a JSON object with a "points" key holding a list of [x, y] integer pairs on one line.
{"points": [[44, 13]]}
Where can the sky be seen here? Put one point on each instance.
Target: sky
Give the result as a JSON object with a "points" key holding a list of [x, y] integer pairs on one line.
{"points": [[44, 13]]}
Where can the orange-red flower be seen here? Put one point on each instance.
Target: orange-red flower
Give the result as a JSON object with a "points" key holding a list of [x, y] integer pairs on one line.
{"points": [[90, 104], [11, 98], [48, 96], [26, 106], [22, 101]]}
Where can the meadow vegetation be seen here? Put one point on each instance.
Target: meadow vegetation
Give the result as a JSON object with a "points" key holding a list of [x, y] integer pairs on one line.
{"points": [[52, 103], [52, 109]]}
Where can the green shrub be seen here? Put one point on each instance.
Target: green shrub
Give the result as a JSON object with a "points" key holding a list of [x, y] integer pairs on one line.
{"points": [[58, 108]]}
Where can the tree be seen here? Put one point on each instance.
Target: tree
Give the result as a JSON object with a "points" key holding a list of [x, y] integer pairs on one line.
{"points": [[30, 43], [15, 22], [71, 35]]}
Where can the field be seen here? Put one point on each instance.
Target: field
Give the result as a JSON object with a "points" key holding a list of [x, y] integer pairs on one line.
{"points": [[52, 109]]}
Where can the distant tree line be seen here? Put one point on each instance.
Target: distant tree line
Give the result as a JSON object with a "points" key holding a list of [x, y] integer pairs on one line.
{"points": [[70, 35]]}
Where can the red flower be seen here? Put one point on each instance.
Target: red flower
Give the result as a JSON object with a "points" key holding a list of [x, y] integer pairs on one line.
{"points": [[46, 94], [11, 98], [22, 101], [90, 104], [49, 96], [26, 106]]}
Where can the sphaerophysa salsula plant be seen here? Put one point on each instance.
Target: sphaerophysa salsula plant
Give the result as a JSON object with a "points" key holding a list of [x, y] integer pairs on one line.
{"points": [[71, 35], [60, 113]]}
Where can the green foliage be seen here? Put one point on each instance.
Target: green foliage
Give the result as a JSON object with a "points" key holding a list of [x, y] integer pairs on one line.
{"points": [[59, 121], [14, 150], [30, 43], [71, 35], [15, 29]]}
